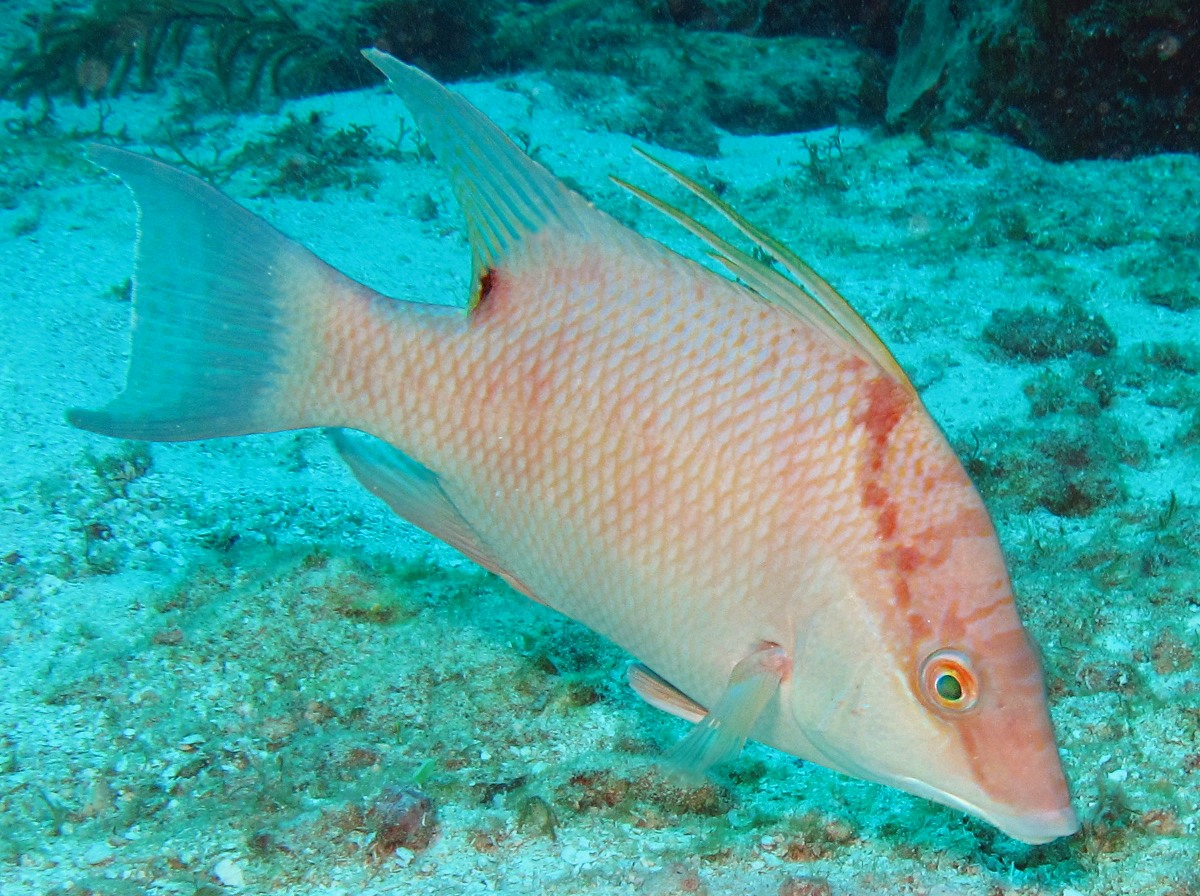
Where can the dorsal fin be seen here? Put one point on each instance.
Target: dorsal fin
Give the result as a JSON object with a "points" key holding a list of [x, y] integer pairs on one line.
{"points": [[809, 297], [505, 196]]}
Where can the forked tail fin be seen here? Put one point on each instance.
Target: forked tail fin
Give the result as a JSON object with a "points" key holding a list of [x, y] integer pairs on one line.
{"points": [[221, 302]]}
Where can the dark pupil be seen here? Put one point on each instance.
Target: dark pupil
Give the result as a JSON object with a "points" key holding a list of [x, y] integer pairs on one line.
{"points": [[948, 687]]}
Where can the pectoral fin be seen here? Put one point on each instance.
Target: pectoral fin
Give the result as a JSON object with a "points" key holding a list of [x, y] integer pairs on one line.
{"points": [[720, 735]]}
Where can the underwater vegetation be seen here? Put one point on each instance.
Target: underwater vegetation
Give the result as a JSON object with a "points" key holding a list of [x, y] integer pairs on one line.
{"points": [[248, 45], [1168, 274], [1036, 335], [122, 44], [1067, 78], [305, 157], [1066, 458]]}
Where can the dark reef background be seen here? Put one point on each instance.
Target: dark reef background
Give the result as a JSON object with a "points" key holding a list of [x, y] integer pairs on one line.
{"points": [[1067, 78]]}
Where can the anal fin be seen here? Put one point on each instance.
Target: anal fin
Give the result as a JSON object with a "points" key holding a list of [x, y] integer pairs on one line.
{"points": [[415, 493]]}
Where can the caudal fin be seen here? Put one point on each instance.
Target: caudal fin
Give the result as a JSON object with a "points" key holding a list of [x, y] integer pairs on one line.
{"points": [[219, 300]]}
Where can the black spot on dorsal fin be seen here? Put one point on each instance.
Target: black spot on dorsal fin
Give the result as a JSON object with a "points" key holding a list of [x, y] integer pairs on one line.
{"points": [[483, 289]]}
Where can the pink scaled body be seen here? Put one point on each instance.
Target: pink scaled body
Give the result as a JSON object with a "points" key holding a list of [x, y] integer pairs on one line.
{"points": [[734, 482]]}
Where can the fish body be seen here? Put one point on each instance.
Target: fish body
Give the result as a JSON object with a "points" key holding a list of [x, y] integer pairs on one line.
{"points": [[733, 481]]}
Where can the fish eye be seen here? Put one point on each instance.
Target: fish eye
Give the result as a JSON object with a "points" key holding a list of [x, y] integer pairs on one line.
{"points": [[948, 682]]}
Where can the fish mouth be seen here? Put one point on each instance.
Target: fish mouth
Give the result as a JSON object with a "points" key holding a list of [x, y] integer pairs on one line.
{"points": [[1040, 827], [1033, 827]]}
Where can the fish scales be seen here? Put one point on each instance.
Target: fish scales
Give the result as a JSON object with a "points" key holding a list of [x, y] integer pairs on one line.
{"points": [[734, 481], [698, 454]]}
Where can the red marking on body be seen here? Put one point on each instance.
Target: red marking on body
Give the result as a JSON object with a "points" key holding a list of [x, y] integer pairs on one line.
{"points": [[886, 402], [887, 518], [874, 495], [909, 560], [883, 406]]}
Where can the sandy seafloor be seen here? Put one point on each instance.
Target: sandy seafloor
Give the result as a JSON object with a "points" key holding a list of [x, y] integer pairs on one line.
{"points": [[216, 656]]}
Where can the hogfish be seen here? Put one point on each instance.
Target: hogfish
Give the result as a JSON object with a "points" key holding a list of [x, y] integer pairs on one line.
{"points": [[730, 478]]}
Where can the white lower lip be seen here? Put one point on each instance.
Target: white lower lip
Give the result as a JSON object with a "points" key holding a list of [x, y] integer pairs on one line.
{"points": [[1028, 827], [1040, 827]]}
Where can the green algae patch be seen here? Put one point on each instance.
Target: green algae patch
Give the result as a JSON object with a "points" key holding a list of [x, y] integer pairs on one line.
{"points": [[1070, 466], [1166, 276], [1071, 456], [1086, 388], [649, 798], [1167, 374], [1033, 334]]}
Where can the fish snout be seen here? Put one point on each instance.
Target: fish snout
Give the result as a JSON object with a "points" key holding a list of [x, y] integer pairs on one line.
{"points": [[1041, 827]]}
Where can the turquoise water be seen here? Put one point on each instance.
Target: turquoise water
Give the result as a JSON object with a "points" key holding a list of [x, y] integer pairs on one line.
{"points": [[229, 669]]}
